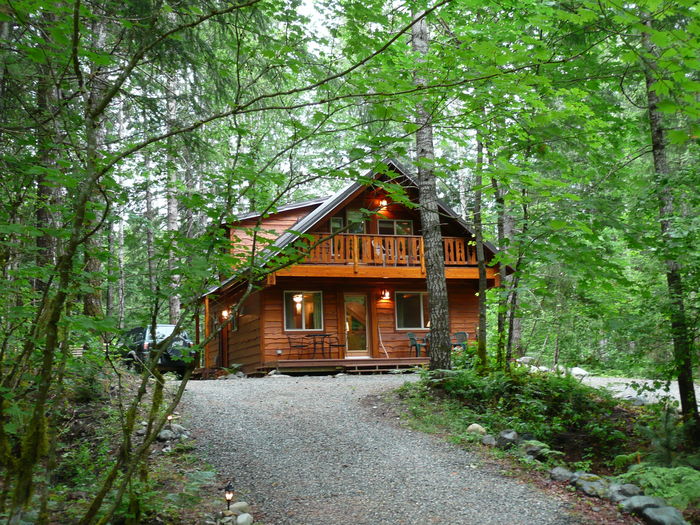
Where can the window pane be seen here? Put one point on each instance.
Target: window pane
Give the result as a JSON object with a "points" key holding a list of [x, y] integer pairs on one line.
{"points": [[408, 310], [336, 224], [313, 310], [404, 227], [356, 221], [293, 310], [385, 227]]}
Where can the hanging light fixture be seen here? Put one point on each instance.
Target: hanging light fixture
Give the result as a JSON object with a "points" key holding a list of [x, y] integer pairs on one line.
{"points": [[297, 298], [224, 314]]}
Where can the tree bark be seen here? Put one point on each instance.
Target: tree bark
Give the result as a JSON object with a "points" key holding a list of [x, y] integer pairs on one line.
{"points": [[481, 358], [172, 218], [440, 347], [503, 302], [680, 330]]}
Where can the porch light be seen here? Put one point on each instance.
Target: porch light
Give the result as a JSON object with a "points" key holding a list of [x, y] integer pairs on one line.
{"points": [[383, 203], [385, 294], [224, 314], [297, 298], [228, 494]]}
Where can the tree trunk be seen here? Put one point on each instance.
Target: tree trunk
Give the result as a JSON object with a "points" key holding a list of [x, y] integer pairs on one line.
{"points": [[172, 219], [480, 259], [440, 347], [502, 313], [680, 329]]}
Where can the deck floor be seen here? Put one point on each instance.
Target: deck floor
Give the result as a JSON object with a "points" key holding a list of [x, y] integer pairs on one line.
{"points": [[344, 365]]}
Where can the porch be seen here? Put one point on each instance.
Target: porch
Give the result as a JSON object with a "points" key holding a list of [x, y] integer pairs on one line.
{"points": [[347, 365]]}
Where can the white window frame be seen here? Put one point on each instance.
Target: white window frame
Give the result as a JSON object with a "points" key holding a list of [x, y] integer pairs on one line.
{"points": [[396, 310], [394, 221], [303, 318], [336, 229]]}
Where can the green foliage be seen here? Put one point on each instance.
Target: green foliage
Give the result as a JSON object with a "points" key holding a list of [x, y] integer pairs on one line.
{"points": [[548, 407], [679, 486]]}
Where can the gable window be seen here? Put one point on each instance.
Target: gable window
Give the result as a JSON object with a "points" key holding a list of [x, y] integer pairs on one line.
{"points": [[356, 221], [394, 227], [412, 310], [303, 310], [336, 224]]}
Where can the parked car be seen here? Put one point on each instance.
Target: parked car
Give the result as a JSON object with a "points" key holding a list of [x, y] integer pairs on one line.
{"points": [[138, 342]]}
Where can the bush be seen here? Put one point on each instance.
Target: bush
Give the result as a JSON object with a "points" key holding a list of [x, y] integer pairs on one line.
{"points": [[679, 486]]}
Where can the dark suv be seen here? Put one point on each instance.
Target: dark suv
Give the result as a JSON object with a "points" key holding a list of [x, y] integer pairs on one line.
{"points": [[138, 342]]}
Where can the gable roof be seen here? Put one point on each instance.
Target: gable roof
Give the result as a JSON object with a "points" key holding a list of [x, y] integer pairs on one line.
{"points": [[329, 204]]}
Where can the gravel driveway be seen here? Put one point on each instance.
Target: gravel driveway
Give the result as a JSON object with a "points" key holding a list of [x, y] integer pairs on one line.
{"points": [[307, 450]]}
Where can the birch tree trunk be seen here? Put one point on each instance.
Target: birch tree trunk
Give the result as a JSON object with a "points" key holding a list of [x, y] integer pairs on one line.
{"points": [[480, 259], [680, 329], [440, 347], [172, 218]]}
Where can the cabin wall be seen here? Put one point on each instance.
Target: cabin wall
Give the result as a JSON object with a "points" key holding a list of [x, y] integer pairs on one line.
{"points": [[274, 226], [383, 333]]}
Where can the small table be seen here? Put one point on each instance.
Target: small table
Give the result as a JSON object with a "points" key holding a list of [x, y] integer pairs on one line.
{"points": [[318, 340]]}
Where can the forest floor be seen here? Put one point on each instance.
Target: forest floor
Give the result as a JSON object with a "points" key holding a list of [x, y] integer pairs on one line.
{"points": [[327, 450]]}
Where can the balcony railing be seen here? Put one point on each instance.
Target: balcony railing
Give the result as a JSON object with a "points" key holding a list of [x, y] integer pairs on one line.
{"points": [[385, 250]]}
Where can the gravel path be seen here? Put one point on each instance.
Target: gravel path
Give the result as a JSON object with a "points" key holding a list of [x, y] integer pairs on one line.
{"points": [[308, 450], [621, 387]]}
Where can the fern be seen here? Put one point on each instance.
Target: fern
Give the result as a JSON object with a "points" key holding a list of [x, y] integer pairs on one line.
{"points": [[679, 486]]}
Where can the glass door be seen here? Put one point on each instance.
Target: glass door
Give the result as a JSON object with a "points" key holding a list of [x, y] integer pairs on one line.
{"points": [[356, 325]]}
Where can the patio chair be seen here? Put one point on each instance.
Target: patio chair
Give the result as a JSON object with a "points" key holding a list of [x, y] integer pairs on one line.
{"points": [[460, 341], [413, 343], [297, 343], [334, 344]]}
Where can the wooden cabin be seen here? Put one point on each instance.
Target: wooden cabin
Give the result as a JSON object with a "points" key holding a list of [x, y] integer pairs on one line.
{"points": [[359, 290]]}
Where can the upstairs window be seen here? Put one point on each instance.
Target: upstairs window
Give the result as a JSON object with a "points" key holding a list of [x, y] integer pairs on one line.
{"points": [[412, 310], [394, 227], [303, 310], [356, 221], [336, 224]]}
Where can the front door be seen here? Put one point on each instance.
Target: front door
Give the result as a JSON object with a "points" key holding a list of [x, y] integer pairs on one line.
{"points": [[356, 325]]}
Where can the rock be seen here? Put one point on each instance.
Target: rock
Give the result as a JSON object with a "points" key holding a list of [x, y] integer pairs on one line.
{"points": [[560, 474], [166, 435], [228, 512], [240, 507], [241, 375], [591, 485], [637, 504], [619, 492], [144, 423], [663, 516], [341, 374], [476, 428], [544, 369], [167, 449], [227, 519], [525, 360], [178, 429], [578, 372], [488, 440], [507, 438], [534, 448], [244, 519], [141, 432]]}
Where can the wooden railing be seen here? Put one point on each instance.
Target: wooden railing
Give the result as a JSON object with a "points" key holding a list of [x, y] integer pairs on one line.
{"points": [[385, 250]]}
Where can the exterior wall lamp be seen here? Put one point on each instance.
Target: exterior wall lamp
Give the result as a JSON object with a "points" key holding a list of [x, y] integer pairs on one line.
{"points": [[224, 314], [228, 494], [383, 203], [385, 294]]}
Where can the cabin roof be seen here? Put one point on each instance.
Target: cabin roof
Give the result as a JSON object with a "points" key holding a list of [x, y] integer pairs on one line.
{"points": [[286, 207], [327, 205]]}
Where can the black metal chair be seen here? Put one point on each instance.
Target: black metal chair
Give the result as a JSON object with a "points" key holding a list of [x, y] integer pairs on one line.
{"points": [[415, 344], [335, 344], [297, 343], [461, 339]]}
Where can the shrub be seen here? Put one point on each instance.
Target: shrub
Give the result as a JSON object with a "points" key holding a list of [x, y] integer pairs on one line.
{"points": [[679, 486]]}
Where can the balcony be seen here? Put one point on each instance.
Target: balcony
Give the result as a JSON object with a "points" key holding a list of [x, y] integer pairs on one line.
{"points": [[385, 250]]}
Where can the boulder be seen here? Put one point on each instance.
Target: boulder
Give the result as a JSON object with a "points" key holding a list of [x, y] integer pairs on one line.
{"points": [[178, 429], [560, 474], [619, 492], [663, 516], [525, 360], [244, 519], [488, 440], [141, 432], [476, 428], [240, 507], [636, 504], [166, 435], [534, 448], [507, 439]]}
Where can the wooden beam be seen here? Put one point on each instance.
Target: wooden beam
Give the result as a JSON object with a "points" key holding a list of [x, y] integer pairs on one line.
{"points": [[355, 253], [271, 279], [380, 272], [422, 257], [206, 317]]}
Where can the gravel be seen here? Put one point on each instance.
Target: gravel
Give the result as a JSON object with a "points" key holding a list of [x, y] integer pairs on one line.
{"points": [[309, 450], [622, 387]]}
